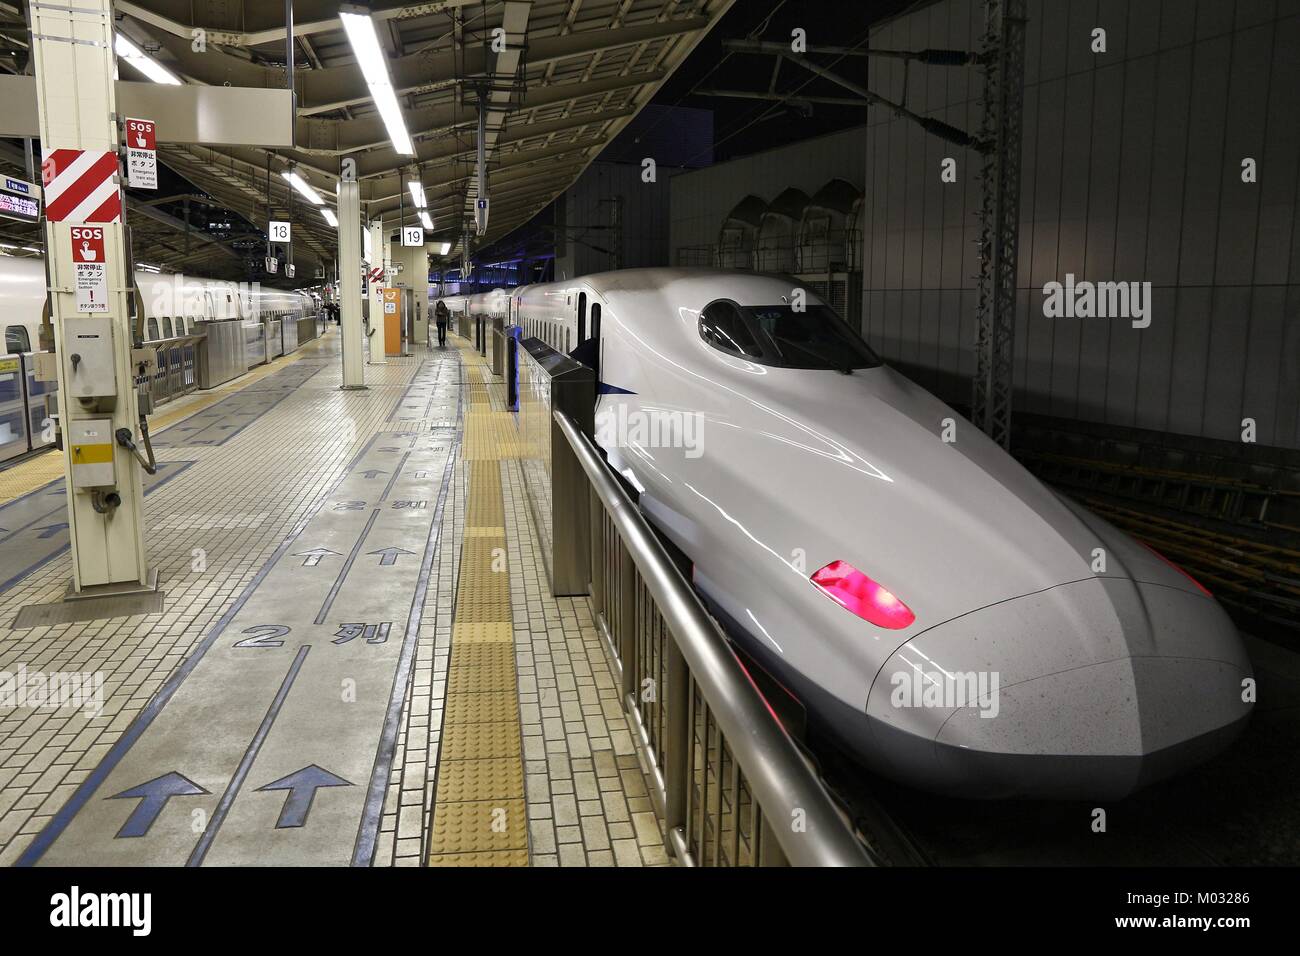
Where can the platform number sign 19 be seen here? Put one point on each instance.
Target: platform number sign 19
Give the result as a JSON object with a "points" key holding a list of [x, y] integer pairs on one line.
{"points": [[91, 270], [280, 232], [141, 154], [412, 235]]}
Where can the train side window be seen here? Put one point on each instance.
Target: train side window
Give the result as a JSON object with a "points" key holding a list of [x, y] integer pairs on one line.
{"points": [[16, 340], [723, 327], [167, 327], [153, 330], [582, 317]]}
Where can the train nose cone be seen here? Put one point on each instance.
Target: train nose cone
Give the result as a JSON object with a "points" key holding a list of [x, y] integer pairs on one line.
{"points": [[1088, 690]]}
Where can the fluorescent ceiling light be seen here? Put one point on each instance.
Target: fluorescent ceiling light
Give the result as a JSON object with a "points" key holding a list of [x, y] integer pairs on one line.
{"points": [[424, 218], [136, 57], [330, 217], [303, 187], [147, 267], [374, 67], [446, 248], [417, 193]]}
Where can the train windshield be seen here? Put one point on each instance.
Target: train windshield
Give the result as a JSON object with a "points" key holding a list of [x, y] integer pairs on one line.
{"points": [[814, 338]]}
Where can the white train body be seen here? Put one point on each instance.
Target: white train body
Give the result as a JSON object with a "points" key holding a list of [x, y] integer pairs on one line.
{"points": [[490, 305], [1028, 647], [456, 304], [173, 303]]}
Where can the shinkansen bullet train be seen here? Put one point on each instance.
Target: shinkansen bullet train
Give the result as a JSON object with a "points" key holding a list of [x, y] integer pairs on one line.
{"points": [[921, 597], [173, 304], [171, 308], [489, 304]]}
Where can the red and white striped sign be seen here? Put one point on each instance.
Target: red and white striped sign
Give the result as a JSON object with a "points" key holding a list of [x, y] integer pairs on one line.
{"points": [[79, 186], [376, 273]]}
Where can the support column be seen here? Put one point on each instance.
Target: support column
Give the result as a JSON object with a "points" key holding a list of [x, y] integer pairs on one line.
{"points": [[350, 283], [379, 252], [413, 279], [93, 330], [1004, 82]]}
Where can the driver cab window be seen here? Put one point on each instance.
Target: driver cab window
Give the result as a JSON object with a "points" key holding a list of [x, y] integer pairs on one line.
{"points": [[724, 328]]}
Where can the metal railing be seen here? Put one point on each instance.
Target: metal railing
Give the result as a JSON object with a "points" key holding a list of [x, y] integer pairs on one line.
{"points": [[174, 372], [728, 783]]}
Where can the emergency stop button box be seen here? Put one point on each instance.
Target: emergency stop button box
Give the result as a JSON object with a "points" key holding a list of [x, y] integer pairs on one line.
{"points": [[90, 442], [89, 344]]}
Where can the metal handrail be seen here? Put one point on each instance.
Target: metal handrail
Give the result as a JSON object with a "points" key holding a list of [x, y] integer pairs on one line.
{"points": [[781, 782]]}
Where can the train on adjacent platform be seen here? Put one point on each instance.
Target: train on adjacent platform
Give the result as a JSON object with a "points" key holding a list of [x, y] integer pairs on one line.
{"points": [[171, 306]]}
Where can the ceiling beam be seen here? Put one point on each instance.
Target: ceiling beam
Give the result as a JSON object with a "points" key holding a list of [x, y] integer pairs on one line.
{"points": [[313, 21]]}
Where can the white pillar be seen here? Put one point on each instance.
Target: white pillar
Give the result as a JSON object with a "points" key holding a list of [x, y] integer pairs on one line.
{"points": [[350, 283], [420, 291], [379, 257], [75, 96]]}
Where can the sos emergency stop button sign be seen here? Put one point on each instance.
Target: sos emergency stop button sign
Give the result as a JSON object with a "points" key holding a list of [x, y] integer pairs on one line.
{"points": [[141, 154], [91, 270]]}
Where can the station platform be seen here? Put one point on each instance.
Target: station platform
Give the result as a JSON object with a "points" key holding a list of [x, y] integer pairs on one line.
{"points": [[357, 661]]}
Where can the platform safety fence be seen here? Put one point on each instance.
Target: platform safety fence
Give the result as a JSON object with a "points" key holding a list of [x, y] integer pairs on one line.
{"points": [[174, 371], [728, 783]]}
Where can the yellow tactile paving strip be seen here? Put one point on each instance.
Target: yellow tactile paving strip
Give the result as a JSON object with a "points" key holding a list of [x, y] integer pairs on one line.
{"points": [[27, 476], [494, 435], [479, 815]]}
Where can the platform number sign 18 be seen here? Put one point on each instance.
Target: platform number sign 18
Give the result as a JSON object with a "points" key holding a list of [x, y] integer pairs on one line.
{"points": [[280, 232], [412, 235]]}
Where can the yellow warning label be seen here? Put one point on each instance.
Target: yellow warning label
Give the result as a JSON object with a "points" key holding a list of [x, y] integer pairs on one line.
{"points": [[92, 454]]}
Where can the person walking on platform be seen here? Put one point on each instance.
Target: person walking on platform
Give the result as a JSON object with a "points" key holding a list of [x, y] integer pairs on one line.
{"points": [[441, 316]]}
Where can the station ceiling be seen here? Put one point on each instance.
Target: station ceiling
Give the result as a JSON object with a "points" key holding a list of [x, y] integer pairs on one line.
{"points": [[573, 73]]}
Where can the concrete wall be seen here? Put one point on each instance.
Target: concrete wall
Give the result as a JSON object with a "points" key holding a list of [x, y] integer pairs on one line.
{"points": [[702, 198], [1131, 171]]}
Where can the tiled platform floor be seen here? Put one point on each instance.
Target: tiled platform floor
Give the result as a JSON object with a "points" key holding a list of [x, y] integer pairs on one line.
{"points": [[216, 527]]}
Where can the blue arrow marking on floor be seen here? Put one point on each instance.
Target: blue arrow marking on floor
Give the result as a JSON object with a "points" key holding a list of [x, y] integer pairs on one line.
{"points": [[50, 530], [314, 556], [389, 555], [153, 796], [302, 786]]}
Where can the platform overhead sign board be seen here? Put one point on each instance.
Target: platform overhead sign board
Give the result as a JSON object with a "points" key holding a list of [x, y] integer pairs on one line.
{"points": [[141, 154], [91, 270], [412, 235], [19, 200], [280, 231]]}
